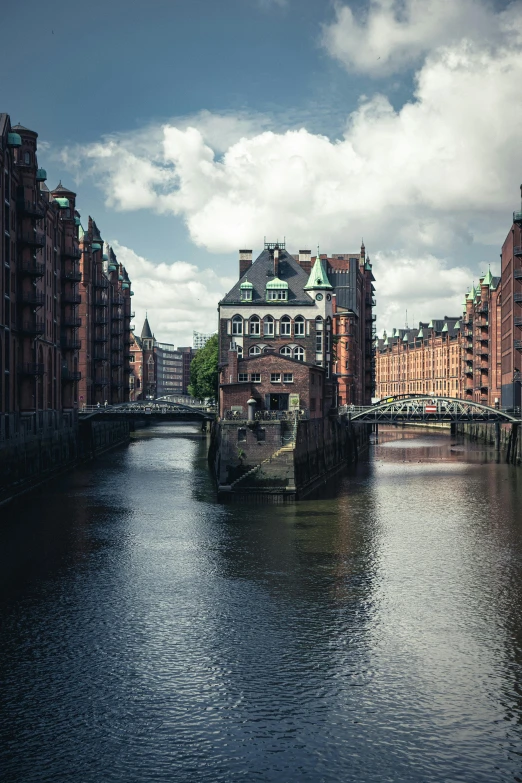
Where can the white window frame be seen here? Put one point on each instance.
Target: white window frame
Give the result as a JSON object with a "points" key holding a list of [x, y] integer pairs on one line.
{"points": [[254, 350], [299, 326], [246, 294], [299, 354], [255, 377], [255, 321], [242, 377], [268, 321], [288, 377], [237, 325], [285, 326], [275, 377], [279, 294], [286, 351]]}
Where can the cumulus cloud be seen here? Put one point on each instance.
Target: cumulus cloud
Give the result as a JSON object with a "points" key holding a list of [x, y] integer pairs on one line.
{"points": [[424, 182], [179, 297], [393, 34]]}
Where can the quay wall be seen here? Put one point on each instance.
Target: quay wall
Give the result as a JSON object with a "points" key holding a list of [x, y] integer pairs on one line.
{"points": [[276, 462], [509, 436], [33, 455]]}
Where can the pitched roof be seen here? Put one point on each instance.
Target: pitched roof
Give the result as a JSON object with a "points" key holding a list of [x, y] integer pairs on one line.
{"points": [[61, 189], [262, 271], [146, 331], [318, 277]]}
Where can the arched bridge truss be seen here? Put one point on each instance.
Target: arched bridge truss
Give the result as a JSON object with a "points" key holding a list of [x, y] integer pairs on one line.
{"points": [[161, 409], [429, 410]]}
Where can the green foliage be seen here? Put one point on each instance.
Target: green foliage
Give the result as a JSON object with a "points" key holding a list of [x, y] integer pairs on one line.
{"points": [[204, 371]]}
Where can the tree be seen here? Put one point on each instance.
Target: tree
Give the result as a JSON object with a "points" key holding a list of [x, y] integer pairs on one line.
{"points": [[204, 371]]}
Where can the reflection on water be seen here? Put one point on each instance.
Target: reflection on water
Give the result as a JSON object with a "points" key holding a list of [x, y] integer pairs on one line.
{"points": [[371, 635]]}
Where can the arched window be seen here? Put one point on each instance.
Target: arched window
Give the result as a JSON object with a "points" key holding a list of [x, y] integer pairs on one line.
{"points": [[299, 326], [255, 326], [286, 350], [299, 354], [268, 326], [237, 325], [286, 326], [255, 350]]}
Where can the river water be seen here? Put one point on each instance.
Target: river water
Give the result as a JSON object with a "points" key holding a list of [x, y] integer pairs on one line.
{"points": [[375, 634]]}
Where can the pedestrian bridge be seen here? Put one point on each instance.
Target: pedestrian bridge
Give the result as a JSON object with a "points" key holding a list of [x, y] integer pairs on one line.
{"points": [[155, 409], [422, 408]]}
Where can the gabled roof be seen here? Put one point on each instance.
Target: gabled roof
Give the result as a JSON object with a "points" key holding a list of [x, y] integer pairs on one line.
{"points": [[488, 277], [146, 332], [262, 271], [62, 189]]}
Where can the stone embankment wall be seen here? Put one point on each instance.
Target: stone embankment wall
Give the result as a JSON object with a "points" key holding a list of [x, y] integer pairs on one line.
{"points": [[277, 461], [509, 436], [30, 458]]}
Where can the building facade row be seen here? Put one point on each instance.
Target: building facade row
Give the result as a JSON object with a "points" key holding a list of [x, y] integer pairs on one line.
{"points": [[157, 369], [64, 299]]}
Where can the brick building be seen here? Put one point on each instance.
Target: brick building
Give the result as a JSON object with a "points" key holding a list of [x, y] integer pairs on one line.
{"points": [[450, 357], [104, 319], [38, 292], [157, 369], [511, 315], [275, 334]]}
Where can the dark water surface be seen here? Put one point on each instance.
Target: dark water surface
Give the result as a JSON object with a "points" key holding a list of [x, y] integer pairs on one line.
{"points": [[149, 634]]}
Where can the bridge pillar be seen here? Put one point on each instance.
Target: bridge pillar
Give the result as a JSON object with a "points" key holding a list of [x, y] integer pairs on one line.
{"points": [[497, 436], [453, 428]]}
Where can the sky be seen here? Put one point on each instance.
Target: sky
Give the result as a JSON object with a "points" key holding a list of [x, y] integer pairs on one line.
{"points": [[193, 128]]}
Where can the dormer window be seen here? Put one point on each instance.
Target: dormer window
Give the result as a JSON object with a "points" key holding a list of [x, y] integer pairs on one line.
{"points": [[246, 290], [277, 290]]}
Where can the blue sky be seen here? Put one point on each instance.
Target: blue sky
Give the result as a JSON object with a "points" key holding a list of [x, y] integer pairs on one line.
{"points": [[188, 128]]}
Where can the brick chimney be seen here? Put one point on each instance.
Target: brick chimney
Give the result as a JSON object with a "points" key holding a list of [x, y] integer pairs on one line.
{"points": [[245, 261], [232, 366], [276, 262], [305, 260]]}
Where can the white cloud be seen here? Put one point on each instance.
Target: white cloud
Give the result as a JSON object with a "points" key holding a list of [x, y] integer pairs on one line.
{"points": [[178, 297], [424, 182], [392, 34]]}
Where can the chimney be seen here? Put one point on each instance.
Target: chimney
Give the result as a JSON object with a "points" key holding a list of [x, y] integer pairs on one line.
{"points": [[232, 365], [305, 260], [245, 261], [276, 261]]}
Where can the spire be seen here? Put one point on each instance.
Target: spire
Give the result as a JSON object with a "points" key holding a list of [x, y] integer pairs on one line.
{"points": [[318, 277], [488, 277], [146, 332]]}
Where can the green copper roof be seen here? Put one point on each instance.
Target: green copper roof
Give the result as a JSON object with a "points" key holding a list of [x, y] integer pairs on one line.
{"points": [[445, 328], [95, 247], [277, 285], [488, 278], [457, 325], [77, 222], [125, 285], [246, 284], [105, 257], [386, 342], [472, 294], [112, 267], [421, 334], [81, 232], [63, 203], [41, 175], [14, 140], [430, 325], [318, 277], [405, 338]]}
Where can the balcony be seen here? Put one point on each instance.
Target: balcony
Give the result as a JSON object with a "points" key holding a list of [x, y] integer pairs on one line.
{"points": [[132, 314], [33, 327], [75, 276], [468, 371], [71, 345], [517, 217], [33, 269], [31, 369], [117, 360], [101, 301], [517, 298], [117, 316], [517, 321], [484, 350], [70, 375], [34, 298], [100, 381], [100, 356], [101, 282], [117, 384], [371, 316], [71, 299], [116, 331], [72, 252], [483, 307], [72, 323], [100, 319], [30, 208], [517, 274], [117, 299], [517, 344], [33, 238], [100, 338]]}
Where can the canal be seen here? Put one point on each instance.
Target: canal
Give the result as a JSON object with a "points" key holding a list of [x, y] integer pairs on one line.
{"points": [[375, 634]]}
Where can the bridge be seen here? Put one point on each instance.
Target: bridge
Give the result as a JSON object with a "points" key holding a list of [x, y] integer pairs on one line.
{"points": [[425, 409], [161, 409]]}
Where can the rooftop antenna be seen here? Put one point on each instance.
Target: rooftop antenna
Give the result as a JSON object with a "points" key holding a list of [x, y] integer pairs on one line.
{"points": [[406, 322]]}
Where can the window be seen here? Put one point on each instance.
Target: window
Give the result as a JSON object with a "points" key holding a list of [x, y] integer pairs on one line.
{"points": [[255, 350], [268, 326], [286, 350], [261, 435], [255, 377], [312, 404], [255, 326], [242, 377], [319, 342], [299, 354], [275, 377], [246, 294], [288, 377], [280, 294], [239, 351], [299, 326], [241, 434], [237, 325], [286, 326], [27, 158]]}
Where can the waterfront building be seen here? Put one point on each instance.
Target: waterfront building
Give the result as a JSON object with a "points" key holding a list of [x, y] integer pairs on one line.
{"points": [[275, 335], [188, 354], [511, 315], [199, 340], [38, 292], [450, 357], [157, 369], [104, 321], [169, 370], [136, 368]]}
